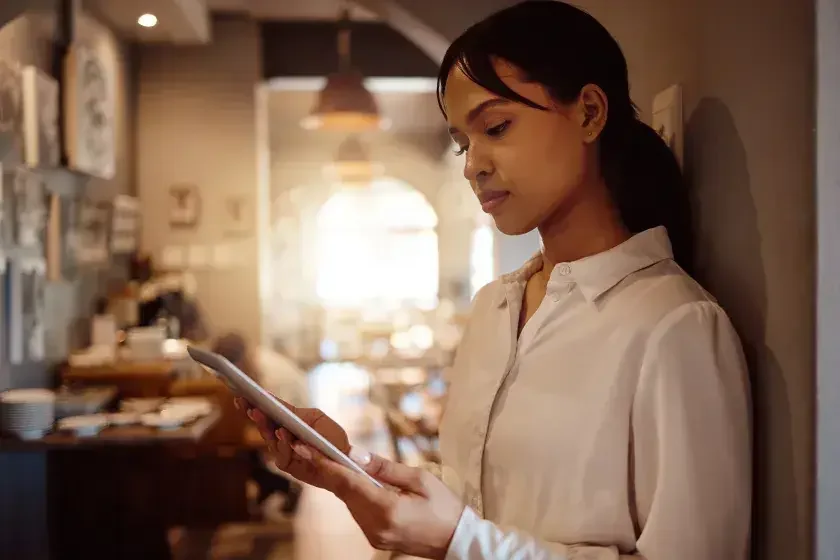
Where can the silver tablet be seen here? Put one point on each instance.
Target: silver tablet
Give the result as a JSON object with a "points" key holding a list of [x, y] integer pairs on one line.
{"points": [[247, 388]]}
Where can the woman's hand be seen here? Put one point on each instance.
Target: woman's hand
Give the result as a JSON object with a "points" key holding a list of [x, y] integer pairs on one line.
{"points": [[279, 441], [418, 516]]}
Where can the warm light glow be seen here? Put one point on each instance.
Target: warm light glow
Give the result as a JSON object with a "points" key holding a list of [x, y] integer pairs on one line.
{"points": [[147, 20], [377, 248]]}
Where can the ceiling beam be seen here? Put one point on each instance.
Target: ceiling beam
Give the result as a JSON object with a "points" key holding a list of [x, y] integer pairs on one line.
{"points": [[404, 21]]}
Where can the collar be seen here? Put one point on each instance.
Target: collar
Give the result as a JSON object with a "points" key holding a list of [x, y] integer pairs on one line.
{"points": [[597, 274]]}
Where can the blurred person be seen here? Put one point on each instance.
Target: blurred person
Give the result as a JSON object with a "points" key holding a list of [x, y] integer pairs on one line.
{"points": [[599, 402], [278, 374]]}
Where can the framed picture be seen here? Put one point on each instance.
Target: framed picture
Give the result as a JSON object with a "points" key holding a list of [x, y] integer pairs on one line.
{"points": [[27, 282], [30, 208], [125, 224], [668, 118], [24, 207], [11, 111], [42, 147], [240, 215], [89, 110], [184, 206], [91, 232]]}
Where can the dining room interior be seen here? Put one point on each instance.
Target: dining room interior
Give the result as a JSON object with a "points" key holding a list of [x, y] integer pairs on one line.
{"points": [[275, 178]]}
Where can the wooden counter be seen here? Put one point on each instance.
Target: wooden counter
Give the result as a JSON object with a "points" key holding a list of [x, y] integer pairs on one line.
{"points": [[117, 435]]}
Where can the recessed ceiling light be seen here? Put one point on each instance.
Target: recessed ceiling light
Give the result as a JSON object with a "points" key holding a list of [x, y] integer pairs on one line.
{"points": [[147, 20]]}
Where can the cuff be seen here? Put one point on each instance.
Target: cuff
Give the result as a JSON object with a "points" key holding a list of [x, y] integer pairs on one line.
{"points": [[462, 539]]}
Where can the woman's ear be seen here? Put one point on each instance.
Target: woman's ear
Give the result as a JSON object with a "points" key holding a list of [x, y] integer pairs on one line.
{"points": [[592, 111]]}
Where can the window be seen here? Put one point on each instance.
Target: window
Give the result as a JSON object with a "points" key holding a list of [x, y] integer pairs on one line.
{"points": [[377, 247], [482, 259]]}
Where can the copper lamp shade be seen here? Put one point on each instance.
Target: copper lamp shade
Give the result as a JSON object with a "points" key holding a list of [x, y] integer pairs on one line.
{"points": [[346, 105]]}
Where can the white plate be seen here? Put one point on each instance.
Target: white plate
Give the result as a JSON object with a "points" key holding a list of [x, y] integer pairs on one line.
{"points": [[123, 418], [28, 435], [140, 406], [162, 422], [85, 423]]}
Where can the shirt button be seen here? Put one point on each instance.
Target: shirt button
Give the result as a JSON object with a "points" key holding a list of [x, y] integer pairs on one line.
{"points": [[564, 269]]}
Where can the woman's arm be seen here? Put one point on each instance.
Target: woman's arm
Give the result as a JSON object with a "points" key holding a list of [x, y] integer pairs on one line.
{"points": [[691, 454]]}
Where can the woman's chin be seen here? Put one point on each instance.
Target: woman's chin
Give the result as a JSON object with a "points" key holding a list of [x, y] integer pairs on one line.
{"points": [[511, 226]]}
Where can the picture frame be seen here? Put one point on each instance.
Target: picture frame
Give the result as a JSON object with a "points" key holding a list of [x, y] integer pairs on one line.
{"points": [[27, 279], [125, 224], [184, 206], [89, 113], [239, 215], [92, 229], [11, 112], [41, 139]]}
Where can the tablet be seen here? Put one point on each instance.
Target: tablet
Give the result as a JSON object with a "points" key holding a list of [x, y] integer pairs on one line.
{"points": [[250, 390]]}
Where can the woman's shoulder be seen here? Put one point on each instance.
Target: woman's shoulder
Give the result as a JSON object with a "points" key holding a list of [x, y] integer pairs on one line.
{"points": [[658, 293]]}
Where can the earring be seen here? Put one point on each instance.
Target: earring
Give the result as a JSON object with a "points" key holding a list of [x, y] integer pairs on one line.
{"points": [[589, 133]]}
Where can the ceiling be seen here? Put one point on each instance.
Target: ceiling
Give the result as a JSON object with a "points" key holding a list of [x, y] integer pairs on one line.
{"points": [[188, 21], [289, 9], [179, 21]]}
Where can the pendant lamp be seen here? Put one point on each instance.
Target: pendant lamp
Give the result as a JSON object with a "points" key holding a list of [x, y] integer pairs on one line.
{"points": [[352, 164], [345, 104]]}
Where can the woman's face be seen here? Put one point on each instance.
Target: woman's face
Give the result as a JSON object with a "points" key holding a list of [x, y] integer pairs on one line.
{"points": [[525, 165]]}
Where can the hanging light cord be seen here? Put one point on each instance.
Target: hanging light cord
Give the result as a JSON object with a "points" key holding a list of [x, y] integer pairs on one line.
{"points": [[344, 37]]}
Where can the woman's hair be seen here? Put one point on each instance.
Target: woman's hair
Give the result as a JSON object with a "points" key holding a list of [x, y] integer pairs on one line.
{"points": [[564, 48]]}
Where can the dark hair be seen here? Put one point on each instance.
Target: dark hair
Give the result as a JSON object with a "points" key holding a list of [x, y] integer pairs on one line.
{"points": [[564, 49]]}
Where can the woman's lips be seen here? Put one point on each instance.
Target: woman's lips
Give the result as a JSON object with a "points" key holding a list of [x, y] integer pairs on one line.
{"points": [[492, 200]]}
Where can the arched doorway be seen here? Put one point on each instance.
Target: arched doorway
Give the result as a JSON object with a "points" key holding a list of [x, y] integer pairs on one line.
{"points": [[377, 249]]}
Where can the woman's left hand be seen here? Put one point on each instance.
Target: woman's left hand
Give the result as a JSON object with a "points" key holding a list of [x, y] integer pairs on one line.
{"points": [[418, 516]]}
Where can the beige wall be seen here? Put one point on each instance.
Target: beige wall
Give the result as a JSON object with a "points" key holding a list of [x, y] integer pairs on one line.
{"points": [[748, 76], [196, 117]]}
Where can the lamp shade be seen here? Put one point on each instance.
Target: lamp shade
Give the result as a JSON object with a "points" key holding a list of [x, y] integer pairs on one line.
{"points": [[345, 104], [352, 164]]}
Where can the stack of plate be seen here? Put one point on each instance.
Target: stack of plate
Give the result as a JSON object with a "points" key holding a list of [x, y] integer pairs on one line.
{"points": [[27, 413]]}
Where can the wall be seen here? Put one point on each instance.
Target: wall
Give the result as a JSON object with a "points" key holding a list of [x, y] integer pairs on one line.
{"points": [[27, 39], [197, 124], [748, 79], [747, 69], [828, 313]]}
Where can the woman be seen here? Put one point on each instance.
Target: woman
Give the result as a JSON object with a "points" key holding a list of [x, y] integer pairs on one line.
{"points": [[599, 403]]}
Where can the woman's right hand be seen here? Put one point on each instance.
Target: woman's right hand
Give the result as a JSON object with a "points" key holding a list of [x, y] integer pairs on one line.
{"points": [[280, 440]]}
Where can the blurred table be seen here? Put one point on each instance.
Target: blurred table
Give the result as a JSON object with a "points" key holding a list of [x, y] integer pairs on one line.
{"points": [[107, 496]]}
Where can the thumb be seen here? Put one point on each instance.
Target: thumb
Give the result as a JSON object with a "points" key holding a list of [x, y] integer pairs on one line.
{"points": [[394, 474]]}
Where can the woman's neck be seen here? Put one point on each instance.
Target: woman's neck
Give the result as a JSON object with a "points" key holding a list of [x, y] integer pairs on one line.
{"points": [[590, 226]]}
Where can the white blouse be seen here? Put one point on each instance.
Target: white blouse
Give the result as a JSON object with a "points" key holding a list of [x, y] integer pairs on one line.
{"points": [[616, 425]]}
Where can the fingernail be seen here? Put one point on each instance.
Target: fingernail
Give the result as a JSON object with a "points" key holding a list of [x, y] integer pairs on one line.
{"points": [[279, 434], [302, 451], [360, 456]]}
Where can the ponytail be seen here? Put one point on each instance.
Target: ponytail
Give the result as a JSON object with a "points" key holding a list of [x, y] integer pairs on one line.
{"points": [[647, 185]]}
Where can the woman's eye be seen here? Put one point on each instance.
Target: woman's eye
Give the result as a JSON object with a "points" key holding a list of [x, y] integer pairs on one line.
{"points": [[460, 151], [497, 130]]}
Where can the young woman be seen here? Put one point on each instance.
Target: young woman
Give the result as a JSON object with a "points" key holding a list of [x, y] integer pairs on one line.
{"points": [[599, 403]]}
